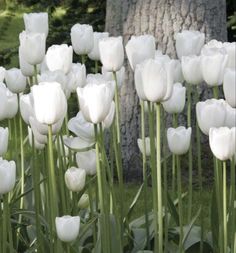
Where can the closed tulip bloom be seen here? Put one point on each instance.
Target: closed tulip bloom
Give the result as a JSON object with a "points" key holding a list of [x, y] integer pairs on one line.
{"points": [[222, 142], [107, 122], [67, 227], [112, 53], [7, 176], [147, 146], [76, 76], [26, 68], [210, 113], [12, 104], [82, 38], [26, 107], [35, 41], [75, 179], [176, 103], [189, 43], [95, 101], [3, 101], [50, 104], [160, 57], [41, 138], [36, 22], [230, 119], [37, 145], [3, 140], [83, 201], [96, 78], [140, 48], [59, 57], [120, 75], [191, 67], [15, 81], [87, 160], [178, 73], [2, 74], [138, 81], [229, 86], [179, 139], [213, 63], [95, 53]]}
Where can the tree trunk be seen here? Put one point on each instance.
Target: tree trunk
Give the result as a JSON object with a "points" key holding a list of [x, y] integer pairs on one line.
{"points": [[161, 18]]}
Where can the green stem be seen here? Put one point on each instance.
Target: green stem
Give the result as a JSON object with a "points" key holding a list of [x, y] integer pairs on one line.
{"points": [[83, 58], [5, 222], [159, 178], [216, 92], [225, 206], [175, 124], [232, 199], [96, 67], [35, 74]]}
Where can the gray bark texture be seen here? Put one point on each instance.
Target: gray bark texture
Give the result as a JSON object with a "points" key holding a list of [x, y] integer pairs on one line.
{"points": [[161, 18]]}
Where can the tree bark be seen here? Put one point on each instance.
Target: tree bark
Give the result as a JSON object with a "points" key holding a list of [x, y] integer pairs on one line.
{"points": [[161, 18]]}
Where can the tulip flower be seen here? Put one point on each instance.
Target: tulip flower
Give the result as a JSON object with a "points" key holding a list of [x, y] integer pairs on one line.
{"points": [[36, 22], [112, 53], [210, 113], [191, 67], [147, 146], [87, 160], [7, 176], [82, 38], [76, 77], [189, 43], [178, 73], [120, 75], [15, 81], [213, 63], [222, 142], [96, 78], [160, 57], [154, 80], [95, 101], [67, 227], [229, 86], [3, 140], [75, 179], [175, 104], [50, 104], [179, 140], [107, 122], [140, 48], [2, 74], [42, 139], [37, 145], [26, 107], [95, 53], [84, 201], [37, 41], [59, 57], [230, 119], [26, 68]]}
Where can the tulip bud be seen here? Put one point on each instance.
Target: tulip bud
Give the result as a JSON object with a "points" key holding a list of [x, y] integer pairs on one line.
{"points": [[75, 179], [15, 81], [87, 161], [191, 67], [84, 201], [59, 57], [140, 48], [222, 142], [76, 77], [210, 113], [2, 74], [95, 54], [67, 227], [7, 176], [82, 38], [95, 101], [36, 22], [26, 68], [50, 104], [3, 140], [147, 146], [175, 104], [179, 140], [120, 76], [112, 53], [189, 43], [229, 86], [37, 41]]}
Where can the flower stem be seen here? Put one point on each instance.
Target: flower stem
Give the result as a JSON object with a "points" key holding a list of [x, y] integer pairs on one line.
{"points": [[35, 74], [215, 92], [225, 206], [175, 124], [83, 58], [96, 67], [232, 199]]}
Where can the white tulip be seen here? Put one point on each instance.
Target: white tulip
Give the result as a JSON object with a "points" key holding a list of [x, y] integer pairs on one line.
{"points": [[87, 161], [176, 103], [7, 176], [78, 144], [95, 53], [230, 119], [96, 78], [26, 107], [191, 67], [160, 57], [15, 81], [37, 145], [189, 43], [83, 201], [147, 146], [40, 138], [4, 134], [67, 227], [36, 22], [112, 53], [178, 72], [59, 57], [26, 68], [213, 63], [210, 113], [222, 142], [76, 76], [2, 74], [82, 38], [50, 104], [107, 122], [120, 76], [3, 101], [179, 140], [95, 101], [140, 48], [75, 179], [229, 86]]}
